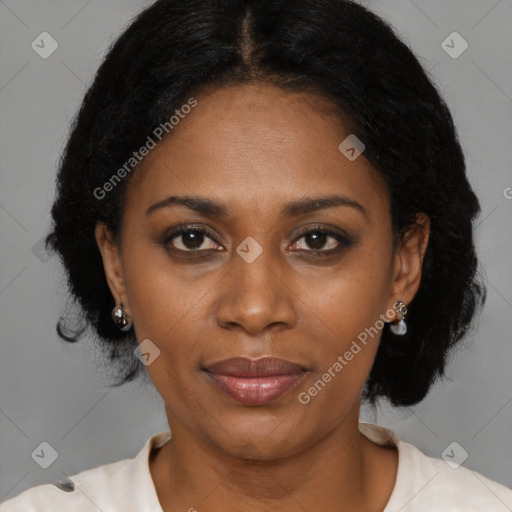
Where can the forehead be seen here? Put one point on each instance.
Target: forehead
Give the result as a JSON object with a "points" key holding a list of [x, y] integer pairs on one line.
{"points": [[256, 145]]}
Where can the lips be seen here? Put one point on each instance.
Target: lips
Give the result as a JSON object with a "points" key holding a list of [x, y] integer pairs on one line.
{"points": [[263, 367], [255, 381]]}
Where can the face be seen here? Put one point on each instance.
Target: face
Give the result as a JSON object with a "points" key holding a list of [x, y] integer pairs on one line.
{"points": [[262, 271]]}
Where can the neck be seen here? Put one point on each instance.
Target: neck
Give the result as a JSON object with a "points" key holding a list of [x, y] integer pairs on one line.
{"points": [[335, 473]]}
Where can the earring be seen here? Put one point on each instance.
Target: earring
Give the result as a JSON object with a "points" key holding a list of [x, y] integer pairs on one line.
{"points": [[398, 327], [121, 318]]}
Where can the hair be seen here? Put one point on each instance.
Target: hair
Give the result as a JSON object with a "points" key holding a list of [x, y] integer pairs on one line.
{"points": [[336, 49]]}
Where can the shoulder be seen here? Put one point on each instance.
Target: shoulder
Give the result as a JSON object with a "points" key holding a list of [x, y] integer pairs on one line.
{"points": [[444, 483], [124, 485], [78, 492], [430, 484]]}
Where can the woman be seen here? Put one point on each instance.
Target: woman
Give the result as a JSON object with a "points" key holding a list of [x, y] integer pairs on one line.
{"points": [[266, 203]]}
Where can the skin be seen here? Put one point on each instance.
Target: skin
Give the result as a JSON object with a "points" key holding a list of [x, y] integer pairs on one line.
{"points": [[255, 148]]}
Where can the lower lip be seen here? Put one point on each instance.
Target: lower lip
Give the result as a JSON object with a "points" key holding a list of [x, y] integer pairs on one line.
{"points": [[255, 390]]}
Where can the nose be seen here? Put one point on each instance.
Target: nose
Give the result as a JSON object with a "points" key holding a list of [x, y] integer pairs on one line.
{"points": [[256, 296]]}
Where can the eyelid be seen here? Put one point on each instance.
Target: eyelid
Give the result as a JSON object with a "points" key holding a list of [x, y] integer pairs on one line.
{"points": [[343, 239], [324, 228], [177, 231], [341, 236]]}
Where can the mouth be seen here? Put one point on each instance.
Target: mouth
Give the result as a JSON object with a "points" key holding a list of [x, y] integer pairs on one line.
{"points": [[255, 381]]}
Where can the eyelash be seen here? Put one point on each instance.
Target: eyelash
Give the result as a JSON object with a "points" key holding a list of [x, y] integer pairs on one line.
{"points": [[344, 241]]}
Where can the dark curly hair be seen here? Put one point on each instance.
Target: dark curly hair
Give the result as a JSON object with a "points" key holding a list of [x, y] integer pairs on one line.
{"points": [[338, 49]]}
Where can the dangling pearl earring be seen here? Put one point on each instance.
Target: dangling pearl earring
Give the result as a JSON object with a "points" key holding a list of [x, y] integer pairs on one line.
{"points": [[121, 318], [398, 327]]}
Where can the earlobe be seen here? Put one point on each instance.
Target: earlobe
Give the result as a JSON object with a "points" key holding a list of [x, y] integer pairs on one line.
{"points": [[409, 260], [112, 264]]}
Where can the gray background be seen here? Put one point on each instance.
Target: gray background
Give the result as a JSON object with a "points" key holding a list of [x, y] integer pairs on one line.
{"points": [[50, 390]]}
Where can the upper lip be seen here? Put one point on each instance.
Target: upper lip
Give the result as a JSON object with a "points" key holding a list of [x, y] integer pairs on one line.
{"points": [[261, 367]]}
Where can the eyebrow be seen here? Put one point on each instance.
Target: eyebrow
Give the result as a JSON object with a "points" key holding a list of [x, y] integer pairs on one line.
{"points": [[212, 208]]}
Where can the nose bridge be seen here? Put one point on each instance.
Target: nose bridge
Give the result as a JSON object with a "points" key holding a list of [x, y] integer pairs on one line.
{"points": [[255, 295], [256, 268]]}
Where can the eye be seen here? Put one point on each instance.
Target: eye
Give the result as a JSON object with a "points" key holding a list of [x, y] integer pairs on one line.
{"points": [[199, 240], [321, 240], [192, 240]]}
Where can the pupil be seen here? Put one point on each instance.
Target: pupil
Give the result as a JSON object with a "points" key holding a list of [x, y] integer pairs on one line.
{"points": [[192, 239], [316, 240]]}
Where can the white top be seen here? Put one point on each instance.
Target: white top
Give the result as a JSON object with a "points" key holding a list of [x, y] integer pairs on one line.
{"points": [[423, 484]]}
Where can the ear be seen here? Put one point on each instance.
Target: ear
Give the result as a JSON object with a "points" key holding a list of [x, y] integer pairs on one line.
{"points": [[408, 261], [112, 264]]}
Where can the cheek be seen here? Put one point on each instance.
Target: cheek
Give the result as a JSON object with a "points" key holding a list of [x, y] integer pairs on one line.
{"points": [[162, 298], [165, 312], [352, 298], [344, 353], [172, 306], [170, 302], [349, 312]]}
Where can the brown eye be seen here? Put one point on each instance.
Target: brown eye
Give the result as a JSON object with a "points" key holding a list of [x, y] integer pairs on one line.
{"points": [[321, 240], [190, 240]]}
